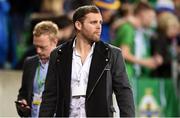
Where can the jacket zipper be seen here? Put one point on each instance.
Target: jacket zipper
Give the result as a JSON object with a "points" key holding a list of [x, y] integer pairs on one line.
{"points": [[97, 81]]}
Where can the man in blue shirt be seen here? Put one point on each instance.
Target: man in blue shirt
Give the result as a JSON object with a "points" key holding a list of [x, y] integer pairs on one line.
{"points": [[45, 37]]}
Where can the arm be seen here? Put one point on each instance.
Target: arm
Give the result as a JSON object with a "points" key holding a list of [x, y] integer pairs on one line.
{"points": [[24, 88], [121, 86], [49, 97], [125, 40], [23, 93], [151, 63]]}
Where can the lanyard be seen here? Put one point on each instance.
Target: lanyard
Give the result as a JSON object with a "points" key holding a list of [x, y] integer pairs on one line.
{"points": [[40, 82]]}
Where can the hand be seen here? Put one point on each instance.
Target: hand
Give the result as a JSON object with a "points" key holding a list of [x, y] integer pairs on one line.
{"points": [[158, 59], [22, 104]]}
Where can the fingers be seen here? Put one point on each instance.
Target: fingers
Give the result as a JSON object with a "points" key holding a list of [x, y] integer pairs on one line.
{"points": [[23, 104]]}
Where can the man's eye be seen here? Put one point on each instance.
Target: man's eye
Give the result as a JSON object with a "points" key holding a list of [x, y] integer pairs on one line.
{"points": [[93, 22], [43, 47]]}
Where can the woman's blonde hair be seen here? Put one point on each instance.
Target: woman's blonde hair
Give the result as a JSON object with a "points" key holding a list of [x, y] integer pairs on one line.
{"points": [[166, 20]]}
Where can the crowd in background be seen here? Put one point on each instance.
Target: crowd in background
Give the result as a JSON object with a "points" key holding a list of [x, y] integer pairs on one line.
{"points": [[147, 31]]}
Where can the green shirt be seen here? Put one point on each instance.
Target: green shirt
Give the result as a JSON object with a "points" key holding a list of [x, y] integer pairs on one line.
{"points": [[125, 35]]}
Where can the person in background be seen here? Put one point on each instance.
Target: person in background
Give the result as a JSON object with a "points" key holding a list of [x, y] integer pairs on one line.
{"points": [[4, 34], [108, 9], [66, 28], [125, 14], [131, 38], [84, 73], [165, 43], [45, 37], [71, 5]]}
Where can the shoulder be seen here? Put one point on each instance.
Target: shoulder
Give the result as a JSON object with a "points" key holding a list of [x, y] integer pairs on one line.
{"points": [[115, 54], [113, 48], [30, 61], [32, 58], [126, 26], [59, 48]]}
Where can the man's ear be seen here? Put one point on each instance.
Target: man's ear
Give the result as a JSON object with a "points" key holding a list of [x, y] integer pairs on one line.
{"points": [[54, 41], [78, 25]]}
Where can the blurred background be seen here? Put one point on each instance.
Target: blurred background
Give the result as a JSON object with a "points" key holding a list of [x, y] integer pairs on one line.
{"points": [[150, 43]]}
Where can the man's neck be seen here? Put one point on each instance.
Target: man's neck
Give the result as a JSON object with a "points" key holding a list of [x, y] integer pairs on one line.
{"points": [[44, 61], [136, 22], [83, 47]]}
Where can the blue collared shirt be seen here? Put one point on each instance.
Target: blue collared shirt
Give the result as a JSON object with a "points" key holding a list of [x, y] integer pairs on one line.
{"points": [[41, 73]]}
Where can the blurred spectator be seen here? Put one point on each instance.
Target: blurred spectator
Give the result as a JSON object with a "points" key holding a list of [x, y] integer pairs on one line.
{"points": [[65, 29], [54, 7], [108, 9], [164, 43], [126, 14], [165, 5], [4, 9], [132, 39], [71, 5], [177, 8]]}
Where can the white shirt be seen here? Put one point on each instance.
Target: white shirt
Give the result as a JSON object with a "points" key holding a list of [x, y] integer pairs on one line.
{"points": [[79, 81], [140, 48]]}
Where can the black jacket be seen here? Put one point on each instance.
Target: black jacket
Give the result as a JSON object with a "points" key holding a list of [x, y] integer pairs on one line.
{"points": [[107, 75], [26, 90]]}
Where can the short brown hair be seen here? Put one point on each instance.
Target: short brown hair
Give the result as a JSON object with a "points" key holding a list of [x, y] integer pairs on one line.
{"points": [[80, 12], [141, 6], [46, 27]]}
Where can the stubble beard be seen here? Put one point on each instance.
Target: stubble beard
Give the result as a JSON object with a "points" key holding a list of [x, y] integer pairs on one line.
{"points": [[92, 39]]}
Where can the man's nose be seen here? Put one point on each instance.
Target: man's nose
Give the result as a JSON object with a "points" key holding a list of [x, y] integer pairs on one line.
{"points": [[99, 25], [38, 50]]}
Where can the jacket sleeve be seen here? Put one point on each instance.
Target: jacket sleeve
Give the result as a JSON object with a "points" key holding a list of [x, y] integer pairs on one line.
{"points": [[49, 97], [23, 91], [121, 85]]}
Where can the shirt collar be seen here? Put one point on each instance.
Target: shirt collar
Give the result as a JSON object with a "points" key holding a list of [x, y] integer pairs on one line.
{"points": [[74, 45], [42, 65]]}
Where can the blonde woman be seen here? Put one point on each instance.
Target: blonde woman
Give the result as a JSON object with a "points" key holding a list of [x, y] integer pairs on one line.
{"points": [[164, 43]]}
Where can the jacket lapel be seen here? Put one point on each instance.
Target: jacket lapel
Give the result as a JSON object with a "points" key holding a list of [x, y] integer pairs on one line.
{"points": [[98, 64], [32, 73], [65, 58], [64, 66]]}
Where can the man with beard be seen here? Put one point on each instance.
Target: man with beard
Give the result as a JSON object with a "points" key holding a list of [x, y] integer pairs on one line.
{"points": [[83, 74]]}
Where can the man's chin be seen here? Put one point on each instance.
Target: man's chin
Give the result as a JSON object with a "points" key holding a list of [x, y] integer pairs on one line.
{"points": [[96, 39], [44, 60]]}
